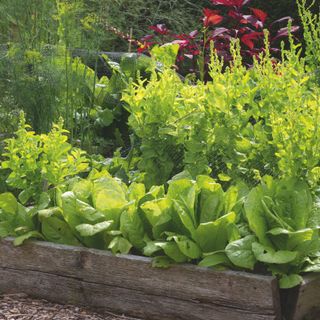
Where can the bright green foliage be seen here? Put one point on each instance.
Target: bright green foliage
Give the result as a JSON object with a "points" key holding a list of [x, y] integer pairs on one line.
{"points": [[311, 30], [40, 162], [275, 224], [16, 220], [243, 124], [283, 217]]}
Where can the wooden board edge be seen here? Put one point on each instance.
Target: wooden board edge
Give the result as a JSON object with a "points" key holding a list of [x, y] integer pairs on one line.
{"points": [[141, 259], [116, 299], [269, 284]]}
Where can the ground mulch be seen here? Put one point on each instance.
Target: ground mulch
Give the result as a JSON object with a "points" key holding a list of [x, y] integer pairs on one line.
{"points": [[22, 307]]}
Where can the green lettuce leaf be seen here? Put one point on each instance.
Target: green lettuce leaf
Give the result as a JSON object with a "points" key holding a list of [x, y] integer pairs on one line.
{"points": [[240, 252], [269, 255], [214, 236]]}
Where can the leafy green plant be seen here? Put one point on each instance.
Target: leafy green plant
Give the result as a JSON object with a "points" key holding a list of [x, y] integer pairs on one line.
{"points": [[285, 221], [38, 163], [273, 227], [241, 125], [311, 27], [16, 220]]}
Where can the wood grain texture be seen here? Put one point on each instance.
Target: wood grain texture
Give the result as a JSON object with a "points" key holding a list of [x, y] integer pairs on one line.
{"points": [[303, 302], [128, 284]]}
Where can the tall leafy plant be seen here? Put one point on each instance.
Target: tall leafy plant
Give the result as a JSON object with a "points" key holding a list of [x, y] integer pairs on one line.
{"points": [[240, 125], [39, 163]]}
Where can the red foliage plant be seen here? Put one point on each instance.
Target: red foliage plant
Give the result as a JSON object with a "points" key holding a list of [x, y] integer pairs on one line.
{"points": [[229, 19]]}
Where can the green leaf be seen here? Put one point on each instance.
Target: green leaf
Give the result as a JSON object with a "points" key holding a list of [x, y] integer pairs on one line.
{"points": [[131, 227], [290, 281], [158, 213], [188, 247], [211, 199], [58, 231], [230, 198], [171, 249], [165, 54], [161, 262], [88, 230], [213, 260], [6, 229], [46, 213], [183, 174], [128, 64], [157, 210], [8, 203], [82, 189], [184, 192], [109, 197], [296, 240], [184, 218], [106, 117], [31, 234], [255, 215], [151, 248], [156, 192], [240, 252], [120, 245], [269, 255], [44, 201], [224, 177], [214, 236], [87, 213], [295, 199], [136, 191], [312, 265], [25, 195], [77, 212], [23, 218]]}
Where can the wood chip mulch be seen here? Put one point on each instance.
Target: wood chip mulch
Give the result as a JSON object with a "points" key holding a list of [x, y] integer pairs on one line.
{"points": [[22, 307]]}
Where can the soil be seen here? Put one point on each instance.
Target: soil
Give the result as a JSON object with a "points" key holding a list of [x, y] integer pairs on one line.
{"points": [[22, 307]]}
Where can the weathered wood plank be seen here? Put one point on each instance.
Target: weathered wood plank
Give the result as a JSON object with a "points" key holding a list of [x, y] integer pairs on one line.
{"points": [[303, 302], [101, 297], [220, 293]]}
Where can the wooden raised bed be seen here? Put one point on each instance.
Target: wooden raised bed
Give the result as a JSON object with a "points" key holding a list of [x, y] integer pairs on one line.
{"points": [[128, 284], [303, 302]]}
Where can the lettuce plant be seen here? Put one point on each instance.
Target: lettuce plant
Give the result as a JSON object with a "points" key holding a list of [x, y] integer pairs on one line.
{"points": [[285, 221], [272, 228]]}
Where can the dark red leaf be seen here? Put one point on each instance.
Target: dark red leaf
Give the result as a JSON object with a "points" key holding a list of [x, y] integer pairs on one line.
{"points": [[147, 37], [281, 20], [252, 20], [219, 31], [194, 33], [261, 15], [284, 32], [211, 17], [181, 43], [249, 38], [159, 28], [235, 15]]}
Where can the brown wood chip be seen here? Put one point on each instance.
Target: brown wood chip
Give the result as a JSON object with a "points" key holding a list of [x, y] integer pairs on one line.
{"points": [[22, 307]]}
